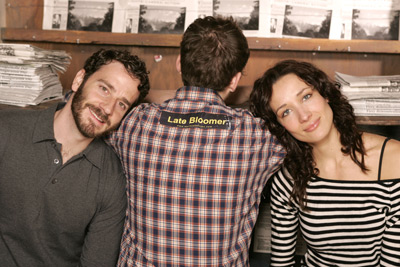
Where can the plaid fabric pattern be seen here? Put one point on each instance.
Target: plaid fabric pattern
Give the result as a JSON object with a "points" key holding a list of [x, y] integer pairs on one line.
{"points": [[193, 192]]}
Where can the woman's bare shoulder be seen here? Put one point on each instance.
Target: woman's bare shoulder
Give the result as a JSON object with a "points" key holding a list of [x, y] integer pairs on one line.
{"points": [[391, 160], [393, 148], [373, 142]]}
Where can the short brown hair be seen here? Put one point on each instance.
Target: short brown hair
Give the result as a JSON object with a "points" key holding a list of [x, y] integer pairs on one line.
{"points": [[213, 51]]}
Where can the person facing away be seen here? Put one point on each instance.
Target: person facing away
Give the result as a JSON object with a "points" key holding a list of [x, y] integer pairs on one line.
{"points": [[195, 166], [339, 186], [62, 189]]}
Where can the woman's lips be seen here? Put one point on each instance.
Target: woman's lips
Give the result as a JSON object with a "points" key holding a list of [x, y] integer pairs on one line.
{"points": [[312, 126]]}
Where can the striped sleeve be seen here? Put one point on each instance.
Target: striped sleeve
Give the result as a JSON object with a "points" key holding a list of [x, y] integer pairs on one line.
{"points": [[284, 223], [391, 237]]}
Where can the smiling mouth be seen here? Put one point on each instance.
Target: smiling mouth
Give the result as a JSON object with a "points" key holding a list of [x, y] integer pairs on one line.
{"points": [[313, 126], [96, 116]]}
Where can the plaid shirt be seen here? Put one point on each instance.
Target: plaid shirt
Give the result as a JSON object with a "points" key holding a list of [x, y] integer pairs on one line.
{"points": [[196, 169]]}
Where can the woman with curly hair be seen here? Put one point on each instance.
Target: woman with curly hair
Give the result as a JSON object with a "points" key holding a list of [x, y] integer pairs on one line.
{"points": [[338, 185]]}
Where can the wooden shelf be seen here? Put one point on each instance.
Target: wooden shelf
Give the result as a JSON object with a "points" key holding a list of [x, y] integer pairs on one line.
{"points": [[87, 37], [173, 40], [378, 120], [40, 106], [325, 45]]}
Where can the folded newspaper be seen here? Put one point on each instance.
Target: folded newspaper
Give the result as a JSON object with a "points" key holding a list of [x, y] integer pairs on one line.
{"points": [[29, 75], [371, 95]]}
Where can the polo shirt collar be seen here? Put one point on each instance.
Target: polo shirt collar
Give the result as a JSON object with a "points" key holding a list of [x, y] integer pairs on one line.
{"points": [[44, 131], [44, 125]]}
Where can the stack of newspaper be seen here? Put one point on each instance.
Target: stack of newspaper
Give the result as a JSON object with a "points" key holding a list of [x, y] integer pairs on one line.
{"points": [[29, 75], [372, 95]]}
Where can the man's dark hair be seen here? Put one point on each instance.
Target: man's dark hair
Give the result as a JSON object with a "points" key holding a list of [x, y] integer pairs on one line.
{"points": [[132, 63], [213, 50]]}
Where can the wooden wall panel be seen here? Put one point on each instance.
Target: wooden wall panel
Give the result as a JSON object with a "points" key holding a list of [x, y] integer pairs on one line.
{"points": [[26, 14], [349, 63]]}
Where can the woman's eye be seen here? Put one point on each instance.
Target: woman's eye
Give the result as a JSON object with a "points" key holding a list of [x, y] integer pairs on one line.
{"points": [[285, 113], [307, 96]]}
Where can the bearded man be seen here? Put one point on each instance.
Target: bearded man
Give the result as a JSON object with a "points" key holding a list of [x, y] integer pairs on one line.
{"points": [[62, 189]]}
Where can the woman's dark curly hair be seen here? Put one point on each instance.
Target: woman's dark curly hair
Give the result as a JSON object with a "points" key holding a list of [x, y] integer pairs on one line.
{"points": [[299, 160], [132, 63]]}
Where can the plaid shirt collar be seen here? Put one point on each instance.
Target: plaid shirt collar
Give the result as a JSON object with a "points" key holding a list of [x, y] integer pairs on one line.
{"points": [[199, 94]]}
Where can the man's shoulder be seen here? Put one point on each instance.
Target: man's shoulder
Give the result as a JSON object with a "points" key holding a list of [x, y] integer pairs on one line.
{"points": [[244, 113], [247, 117], [109, 154], [106, 159], [15, 112], [17, 116], [138, 111], [16, 125]]}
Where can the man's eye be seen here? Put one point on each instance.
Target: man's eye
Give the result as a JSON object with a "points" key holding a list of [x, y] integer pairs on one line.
{"points": [[122, 105], [104, 89]]}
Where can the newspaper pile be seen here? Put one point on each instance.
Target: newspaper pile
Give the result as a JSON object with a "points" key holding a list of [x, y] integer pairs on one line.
{"points": [[29, 75], [372, 95]]}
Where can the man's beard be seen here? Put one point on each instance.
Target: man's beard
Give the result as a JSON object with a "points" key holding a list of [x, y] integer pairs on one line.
{"points": [[87, 129]]}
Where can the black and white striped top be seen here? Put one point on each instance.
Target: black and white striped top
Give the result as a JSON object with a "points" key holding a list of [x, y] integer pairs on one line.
{"points": [[350, 223]]}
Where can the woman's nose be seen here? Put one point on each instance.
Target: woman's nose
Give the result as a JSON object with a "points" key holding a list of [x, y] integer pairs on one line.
{"points": [[304, 115]]}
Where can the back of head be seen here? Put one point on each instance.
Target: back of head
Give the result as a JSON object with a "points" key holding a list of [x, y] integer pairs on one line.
{"points": [[213, 50], [132, 63]]}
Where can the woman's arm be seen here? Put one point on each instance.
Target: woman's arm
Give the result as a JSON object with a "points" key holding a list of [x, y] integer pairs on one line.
{"points": [[284, 222]]}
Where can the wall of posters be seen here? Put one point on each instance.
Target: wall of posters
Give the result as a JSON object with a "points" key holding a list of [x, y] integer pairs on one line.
{"points": [[327, 19]]}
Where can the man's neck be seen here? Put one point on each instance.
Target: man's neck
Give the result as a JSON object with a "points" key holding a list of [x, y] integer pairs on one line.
{"points": [[67, 133], [224, 94]]}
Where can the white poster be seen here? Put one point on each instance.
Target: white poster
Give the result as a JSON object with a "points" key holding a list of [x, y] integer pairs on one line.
{"points": [[327, 19]]}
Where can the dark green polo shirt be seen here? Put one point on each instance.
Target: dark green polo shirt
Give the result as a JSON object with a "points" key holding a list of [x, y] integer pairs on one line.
{"points": [[54, 214]]}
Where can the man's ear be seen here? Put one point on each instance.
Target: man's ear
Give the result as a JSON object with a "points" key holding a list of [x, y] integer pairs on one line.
{"points": [[78, 80], [178, 64], [234, 82]]}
